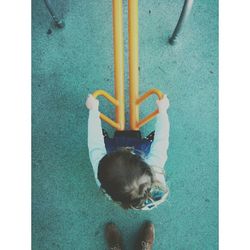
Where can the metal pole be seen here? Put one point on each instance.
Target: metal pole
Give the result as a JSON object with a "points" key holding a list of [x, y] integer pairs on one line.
{"points": [[133, 63], [184, 14], [118, 62], [118, 101], [59, 23]]}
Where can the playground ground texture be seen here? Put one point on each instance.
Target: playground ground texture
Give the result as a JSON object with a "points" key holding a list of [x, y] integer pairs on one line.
{"points": [[68, 210]]}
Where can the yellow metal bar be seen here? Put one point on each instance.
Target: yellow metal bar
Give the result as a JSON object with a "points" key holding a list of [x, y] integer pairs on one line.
{"points": [[147, 118], [153, 114], [134, 99], [109, 121], [113, 101], [118, 101], [133, 62], [119, 62], [147, 94], [106, 95]]}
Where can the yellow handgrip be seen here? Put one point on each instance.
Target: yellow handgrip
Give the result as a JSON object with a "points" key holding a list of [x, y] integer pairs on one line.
{"points": [[147, 94], [147, 118], [106, 95], [143, 98], [113, 101], [110, 121]]}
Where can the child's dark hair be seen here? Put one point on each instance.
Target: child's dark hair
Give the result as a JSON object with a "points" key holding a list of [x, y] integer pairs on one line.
{"points": [[118, 173]]}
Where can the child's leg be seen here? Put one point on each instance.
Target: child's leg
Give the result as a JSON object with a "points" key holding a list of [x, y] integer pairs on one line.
{"points": [[105, 133], [150, 137], [145, 146], [109, 142], [145, 143]]}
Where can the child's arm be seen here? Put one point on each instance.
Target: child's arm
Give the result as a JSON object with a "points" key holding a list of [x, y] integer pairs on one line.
{"points": [[95, 138], [158, 152]]}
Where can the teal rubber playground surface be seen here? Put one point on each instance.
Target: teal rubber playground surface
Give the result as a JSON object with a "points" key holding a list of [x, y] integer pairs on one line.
{"points": [[68, 210]]}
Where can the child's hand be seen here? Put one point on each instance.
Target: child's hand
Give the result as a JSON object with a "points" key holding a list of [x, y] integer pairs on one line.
{"points": [[163, 104], [92, 103]]}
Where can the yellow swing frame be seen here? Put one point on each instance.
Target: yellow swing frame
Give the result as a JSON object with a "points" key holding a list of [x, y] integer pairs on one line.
{"points": [[134, 98]]}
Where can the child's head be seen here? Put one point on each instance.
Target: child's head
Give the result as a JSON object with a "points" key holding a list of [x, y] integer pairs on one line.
{"points": [[126, 177]]}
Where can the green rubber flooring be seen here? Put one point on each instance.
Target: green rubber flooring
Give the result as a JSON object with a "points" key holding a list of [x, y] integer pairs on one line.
{"points": [[68, 210]]}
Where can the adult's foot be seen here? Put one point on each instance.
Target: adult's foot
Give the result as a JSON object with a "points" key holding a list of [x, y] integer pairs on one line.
{"points": [[146, 236], [113, 237]]}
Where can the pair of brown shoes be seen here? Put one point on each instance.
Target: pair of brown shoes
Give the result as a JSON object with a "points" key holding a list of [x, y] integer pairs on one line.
{"points": [[144, 242]]}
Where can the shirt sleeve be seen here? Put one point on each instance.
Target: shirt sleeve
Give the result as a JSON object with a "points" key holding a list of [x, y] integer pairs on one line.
{"points": [[96, 144], [157, 156]]}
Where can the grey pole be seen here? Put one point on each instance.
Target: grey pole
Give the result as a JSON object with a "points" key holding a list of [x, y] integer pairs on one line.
{"points": [[184, 14], [59, 23]]}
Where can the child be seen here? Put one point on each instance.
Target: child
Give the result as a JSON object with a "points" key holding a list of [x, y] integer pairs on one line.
{"points": [[130, 170]]}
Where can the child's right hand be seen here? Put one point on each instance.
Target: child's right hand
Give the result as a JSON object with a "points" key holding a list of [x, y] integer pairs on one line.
{"points": [[92, 103], [163, 104]]}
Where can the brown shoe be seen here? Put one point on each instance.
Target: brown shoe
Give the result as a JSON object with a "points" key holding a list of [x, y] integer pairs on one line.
{"points": [[146, 236], [113, 237]]}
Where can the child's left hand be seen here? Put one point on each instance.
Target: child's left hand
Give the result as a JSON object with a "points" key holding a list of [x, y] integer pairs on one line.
{"points": [[92, 103]]}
